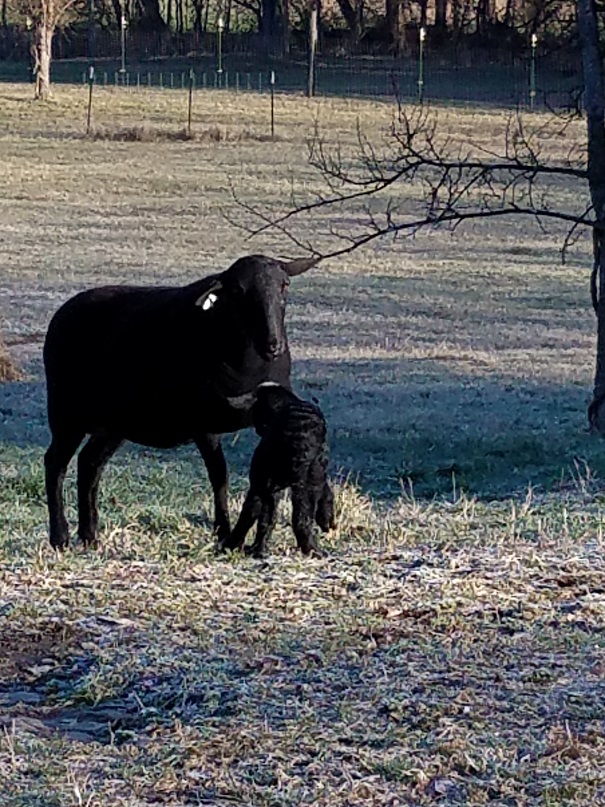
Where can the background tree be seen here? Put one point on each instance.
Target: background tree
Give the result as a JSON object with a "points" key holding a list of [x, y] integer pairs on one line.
{"points": [[45, 18]]}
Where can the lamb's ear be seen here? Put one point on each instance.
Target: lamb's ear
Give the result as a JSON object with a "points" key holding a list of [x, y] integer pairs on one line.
{"points": [[210, 296], [300, 265]]}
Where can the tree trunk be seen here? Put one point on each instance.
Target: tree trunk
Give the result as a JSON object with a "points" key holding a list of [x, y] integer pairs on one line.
{"points": [[151, 16], [227, 16], [353, 17], [395, 25], [117, 10], [313, 30], [4, 18], [423, 13], [457, 15], [594, 103], [198, 8], [440, 15], [270, 24], [286, 25], [42, 54]]}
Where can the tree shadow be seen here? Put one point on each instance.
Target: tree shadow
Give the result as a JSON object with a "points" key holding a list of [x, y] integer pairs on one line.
{"points": [[392, 422]]}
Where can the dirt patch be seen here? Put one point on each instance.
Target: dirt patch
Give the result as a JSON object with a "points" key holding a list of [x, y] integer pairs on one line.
{"points": [[27, 653]]}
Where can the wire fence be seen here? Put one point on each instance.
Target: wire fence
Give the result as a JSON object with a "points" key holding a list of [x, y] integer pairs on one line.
{"points": [[535, 78], [507, 89]]}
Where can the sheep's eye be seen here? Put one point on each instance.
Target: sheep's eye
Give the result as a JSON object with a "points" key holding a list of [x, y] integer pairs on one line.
{"points": [[209, 302]]}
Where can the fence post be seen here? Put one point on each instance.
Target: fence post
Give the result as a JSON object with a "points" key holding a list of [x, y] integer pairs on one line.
{"points": [[123, 43], [421, 65], [272, 83], [220, 26], [91, 81], [532, 73], [191, 81]]}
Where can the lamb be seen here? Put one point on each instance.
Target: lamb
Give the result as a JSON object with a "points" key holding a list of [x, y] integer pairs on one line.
{"points": [[292, 453]]}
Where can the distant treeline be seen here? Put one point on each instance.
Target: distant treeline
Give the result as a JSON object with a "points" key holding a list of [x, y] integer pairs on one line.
{"points": [[163, 28]]}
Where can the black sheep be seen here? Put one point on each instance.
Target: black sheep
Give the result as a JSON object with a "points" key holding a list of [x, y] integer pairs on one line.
{"points": [[292, 453], [160, 367]]}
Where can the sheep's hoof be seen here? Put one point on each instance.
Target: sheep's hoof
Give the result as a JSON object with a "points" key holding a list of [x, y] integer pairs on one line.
{"points": [[314, 551], [227, 545], [254, 551], [89, 541], [59, 542]]}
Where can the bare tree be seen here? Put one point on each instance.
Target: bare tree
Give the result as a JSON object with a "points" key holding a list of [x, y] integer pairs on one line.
{"points": [[45, 17], [458, 184]]}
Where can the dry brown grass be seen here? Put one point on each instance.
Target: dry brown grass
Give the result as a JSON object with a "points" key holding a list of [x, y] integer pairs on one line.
{"points": [[210, 134], [9, 371]]}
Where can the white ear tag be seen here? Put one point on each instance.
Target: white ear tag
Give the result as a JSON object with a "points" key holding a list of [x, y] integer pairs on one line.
{"points": [[209, 302]]}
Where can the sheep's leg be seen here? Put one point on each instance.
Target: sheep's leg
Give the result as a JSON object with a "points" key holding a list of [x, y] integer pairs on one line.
{"points": [[324, 514], [61, 450], [265, 526], [251, 510], [91, 461], [210, 448], [303, 519]]}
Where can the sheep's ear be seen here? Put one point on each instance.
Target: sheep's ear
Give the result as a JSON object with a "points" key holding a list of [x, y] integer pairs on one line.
{"points": [[209, 297], [300, 265]]}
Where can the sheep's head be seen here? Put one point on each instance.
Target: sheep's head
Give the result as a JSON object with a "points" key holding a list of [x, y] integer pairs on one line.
{"points": [[257, 288]]}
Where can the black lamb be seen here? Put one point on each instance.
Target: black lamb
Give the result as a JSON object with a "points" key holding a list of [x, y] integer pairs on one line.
{"points": [[292, 453]]}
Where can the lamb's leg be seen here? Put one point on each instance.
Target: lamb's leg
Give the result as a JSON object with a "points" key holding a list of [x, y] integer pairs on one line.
{"points": [[62, 448], [303, 520], [251, 510], [265, 526], [211, 450], [91, 461], [324, 514]]}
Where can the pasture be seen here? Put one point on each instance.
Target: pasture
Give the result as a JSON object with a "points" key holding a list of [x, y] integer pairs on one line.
{"points": [[449, 651]]}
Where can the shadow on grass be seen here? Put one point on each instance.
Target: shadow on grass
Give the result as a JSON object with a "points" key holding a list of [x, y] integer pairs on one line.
{"points": [[391, 422]]}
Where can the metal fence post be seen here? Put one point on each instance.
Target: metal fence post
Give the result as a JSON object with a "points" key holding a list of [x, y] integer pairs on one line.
{"points": [[191, 82], [421, 65], [272, 83], [532, 73], [91, 81]]}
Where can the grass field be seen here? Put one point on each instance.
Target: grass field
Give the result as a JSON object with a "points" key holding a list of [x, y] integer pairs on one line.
{"points": [[449, 650]]}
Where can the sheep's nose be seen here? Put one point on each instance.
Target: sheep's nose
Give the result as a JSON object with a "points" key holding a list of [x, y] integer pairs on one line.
{"points": [[274, 347]]}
